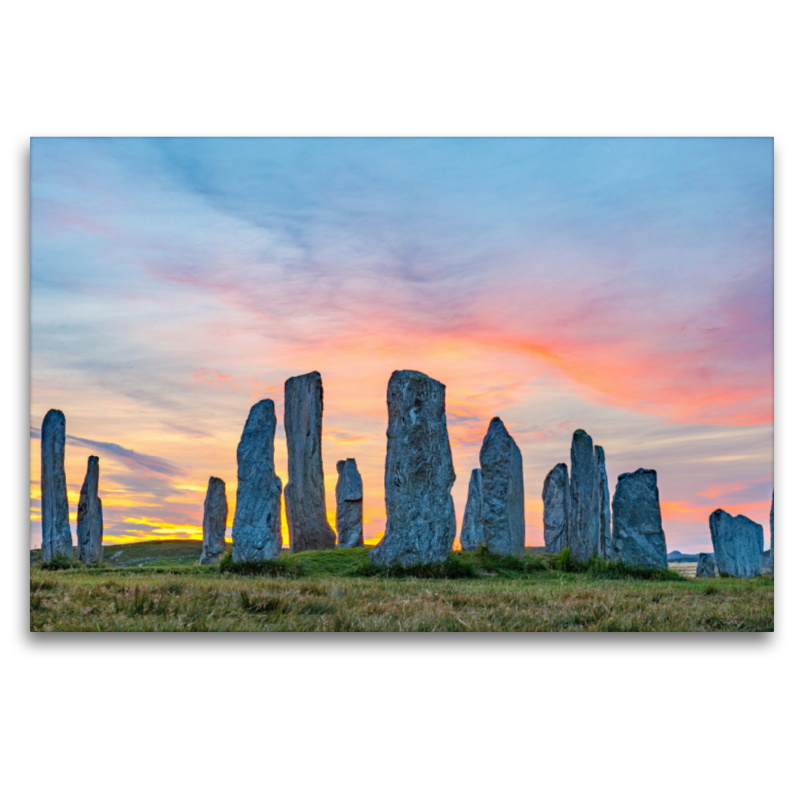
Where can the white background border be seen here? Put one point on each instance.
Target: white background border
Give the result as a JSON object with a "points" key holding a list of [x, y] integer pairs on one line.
{"points": [[396, 716]]}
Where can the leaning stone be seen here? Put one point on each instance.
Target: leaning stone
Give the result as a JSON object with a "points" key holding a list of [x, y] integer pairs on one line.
{"points": [[555, 497], [584, 500], [90, 516], [738, 544], [706, 566], [420, 516], [638, 536], [604, 545], [503, 492], [215, 520], [472, 524], [349, 504], [306, 513], [56, 534], [257, 521]]}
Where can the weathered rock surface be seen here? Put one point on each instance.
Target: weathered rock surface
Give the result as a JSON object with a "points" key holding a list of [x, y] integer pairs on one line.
{"points": [[555, 496], [420, 516], [706, 566], [503, 493], [638, 536], [604, 546], [349, 504], [215, 520], [472, 524], [306, 513], [772, 534], [738, 544], [90, 516], [56, 534], [584, 499], [257, 521]]}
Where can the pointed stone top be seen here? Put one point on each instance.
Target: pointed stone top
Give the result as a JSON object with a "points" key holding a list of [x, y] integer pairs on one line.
{"points": [[498, 424], [580, 433], [261, 412], [599, 452]]}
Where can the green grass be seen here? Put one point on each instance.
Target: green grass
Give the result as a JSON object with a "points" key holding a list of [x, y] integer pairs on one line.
{"points": [[339, 590]]}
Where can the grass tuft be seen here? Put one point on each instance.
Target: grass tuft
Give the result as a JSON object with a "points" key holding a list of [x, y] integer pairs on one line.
{"points": [[452, 568], [276, 567]]}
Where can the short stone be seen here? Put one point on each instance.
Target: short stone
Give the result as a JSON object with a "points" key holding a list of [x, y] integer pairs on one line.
{"points": [[555, 498], [472, 525], [215, 521], [738, 544], [706, 566], [349, 504], [90, 516]]}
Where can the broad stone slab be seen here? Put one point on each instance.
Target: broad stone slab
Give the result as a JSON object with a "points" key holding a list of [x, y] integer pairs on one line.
{"points": [[638, 535], [349, 504], [420, 516], [584, 499], [215, 520], [738, 544], [503, 492], [257, 521], [555, 497], [306, 513], [56, 534], [604, 545], [706, 566], [90, 516], [472, 525]]}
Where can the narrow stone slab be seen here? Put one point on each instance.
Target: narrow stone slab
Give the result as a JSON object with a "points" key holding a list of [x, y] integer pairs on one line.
{"points": [[772, 534], [584, 499], [706, 566], [420, 516], [257, 521], [555, 497], [306, 512], [503, 492], [472, 536], [738, 544], [604, 547], [215, 521], [349, 504], [56, 534], [638, 535], [90, 516]]}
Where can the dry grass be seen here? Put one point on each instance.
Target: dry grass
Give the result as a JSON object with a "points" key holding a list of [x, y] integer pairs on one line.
{"points": [[204, 599]]}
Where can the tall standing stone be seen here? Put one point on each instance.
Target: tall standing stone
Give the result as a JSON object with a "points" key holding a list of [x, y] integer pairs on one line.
{"points": [[90, 516], [349, 504], [472, 525], [706, 566], [503, 492], [604, 548], [215, 520], [584, 499], [738, 544], [555, 498], [420, 516], [257, 521], [638, 536], [56, 535], [305, 492]]}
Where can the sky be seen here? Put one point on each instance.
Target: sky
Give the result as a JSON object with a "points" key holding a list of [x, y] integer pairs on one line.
{"points": [[622, 286]]}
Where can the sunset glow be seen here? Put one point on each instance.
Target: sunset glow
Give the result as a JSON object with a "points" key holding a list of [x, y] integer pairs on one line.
{"points": [[623, 286]]}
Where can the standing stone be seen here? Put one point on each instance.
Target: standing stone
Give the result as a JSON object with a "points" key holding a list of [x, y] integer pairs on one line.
{"points": [[472, 524], [638, 536], [56, 535], [604, 547], [90, 516], [215, 520], [257, 522], [420, 516], [738, 544], [706, 566], [555, 496], [503, 493], [584, 499], [349, 504], [305, 493], [772, 534]]}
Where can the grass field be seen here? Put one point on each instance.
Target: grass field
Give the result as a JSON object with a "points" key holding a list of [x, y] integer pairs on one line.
{"points": [[334, 591]]}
